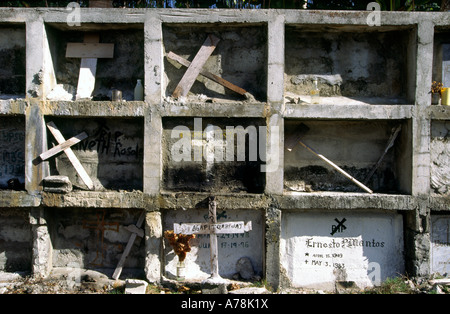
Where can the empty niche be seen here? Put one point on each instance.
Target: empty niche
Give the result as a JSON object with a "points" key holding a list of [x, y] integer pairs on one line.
{"points": [[15, 240], [239, 57], [12, 61], [12, 153], [357, 147], [118, 73], [94, 239], [112, 154], [440, 161], [352, 65], [196, 158]]}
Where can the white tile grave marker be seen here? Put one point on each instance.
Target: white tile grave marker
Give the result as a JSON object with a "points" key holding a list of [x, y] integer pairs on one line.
{"points": [[322, 248], [440, 244]]}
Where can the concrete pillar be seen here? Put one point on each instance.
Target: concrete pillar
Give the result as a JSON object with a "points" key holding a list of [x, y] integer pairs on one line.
{"points": [[153, 246], [275, 99], [274, 155], [154, 59], [275, 60], [418, 221], [35, 144], [273, 235], [152, 152], [154, 69], [40, 74], [41, 262]]}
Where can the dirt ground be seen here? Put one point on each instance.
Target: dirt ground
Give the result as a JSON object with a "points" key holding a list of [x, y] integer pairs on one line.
{"points": [[80, 281]]}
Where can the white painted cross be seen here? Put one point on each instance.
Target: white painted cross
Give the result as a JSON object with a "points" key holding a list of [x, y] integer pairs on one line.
{"points": [[88, 51], [212, 228]]}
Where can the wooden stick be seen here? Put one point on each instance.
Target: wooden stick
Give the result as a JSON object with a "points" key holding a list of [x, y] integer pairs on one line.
{"points": [[212, 217], [207, 74], [337, 168], [388, 146], [70, 154], [196, 66], [59, 148]]}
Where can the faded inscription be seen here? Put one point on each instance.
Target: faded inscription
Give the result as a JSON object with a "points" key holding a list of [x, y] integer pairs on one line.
{"points": [[12, 152], [231, 246]]}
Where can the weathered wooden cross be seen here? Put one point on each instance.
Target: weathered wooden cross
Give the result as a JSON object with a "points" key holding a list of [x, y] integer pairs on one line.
{"points": [[135, 231], [212, 228], [196, 66], [65, 146], [89, 51]]}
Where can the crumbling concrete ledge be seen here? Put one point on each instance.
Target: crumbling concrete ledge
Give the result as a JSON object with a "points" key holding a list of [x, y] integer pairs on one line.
{"points": [[18, 199], [109, 199], [343, 201], [200, 200]]}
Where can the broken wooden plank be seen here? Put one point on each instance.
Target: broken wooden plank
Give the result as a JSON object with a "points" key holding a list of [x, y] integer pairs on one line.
{"points": [[196, 66], [89, 50], [388, 146], [59, 148], [207, 74], [130, 243], [71, 155], [134, 229]]}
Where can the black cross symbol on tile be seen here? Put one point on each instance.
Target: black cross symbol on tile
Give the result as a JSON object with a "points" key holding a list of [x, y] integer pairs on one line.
{"points": [[339, 227]]}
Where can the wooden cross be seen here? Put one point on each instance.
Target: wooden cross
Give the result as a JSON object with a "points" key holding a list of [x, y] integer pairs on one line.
{"points": [[212, 228], [196, 66], [65, 146], [89, 51], [215, 78], [135, 231]]}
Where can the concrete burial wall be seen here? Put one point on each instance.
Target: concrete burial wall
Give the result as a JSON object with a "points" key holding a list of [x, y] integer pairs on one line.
{"points": [[312, 227]]}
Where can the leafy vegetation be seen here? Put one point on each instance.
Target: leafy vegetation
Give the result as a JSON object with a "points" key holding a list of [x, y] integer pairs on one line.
{"points": [[392, 286]]}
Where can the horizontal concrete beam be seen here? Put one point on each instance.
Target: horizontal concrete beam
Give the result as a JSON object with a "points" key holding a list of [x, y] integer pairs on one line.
{"points": [[100, 109], [343, 201], [88, 199], [355, 112], [133, 16], [18, 199]]}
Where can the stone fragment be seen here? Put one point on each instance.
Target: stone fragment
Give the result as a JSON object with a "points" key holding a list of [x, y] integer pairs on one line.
{"points": [[210, 288], [135, 286], [57, 184], [244, 268], [250, 290]]}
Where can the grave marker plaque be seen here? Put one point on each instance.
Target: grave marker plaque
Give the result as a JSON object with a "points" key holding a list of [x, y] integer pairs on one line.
{"points": [[440, 244], [319, 250]]}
